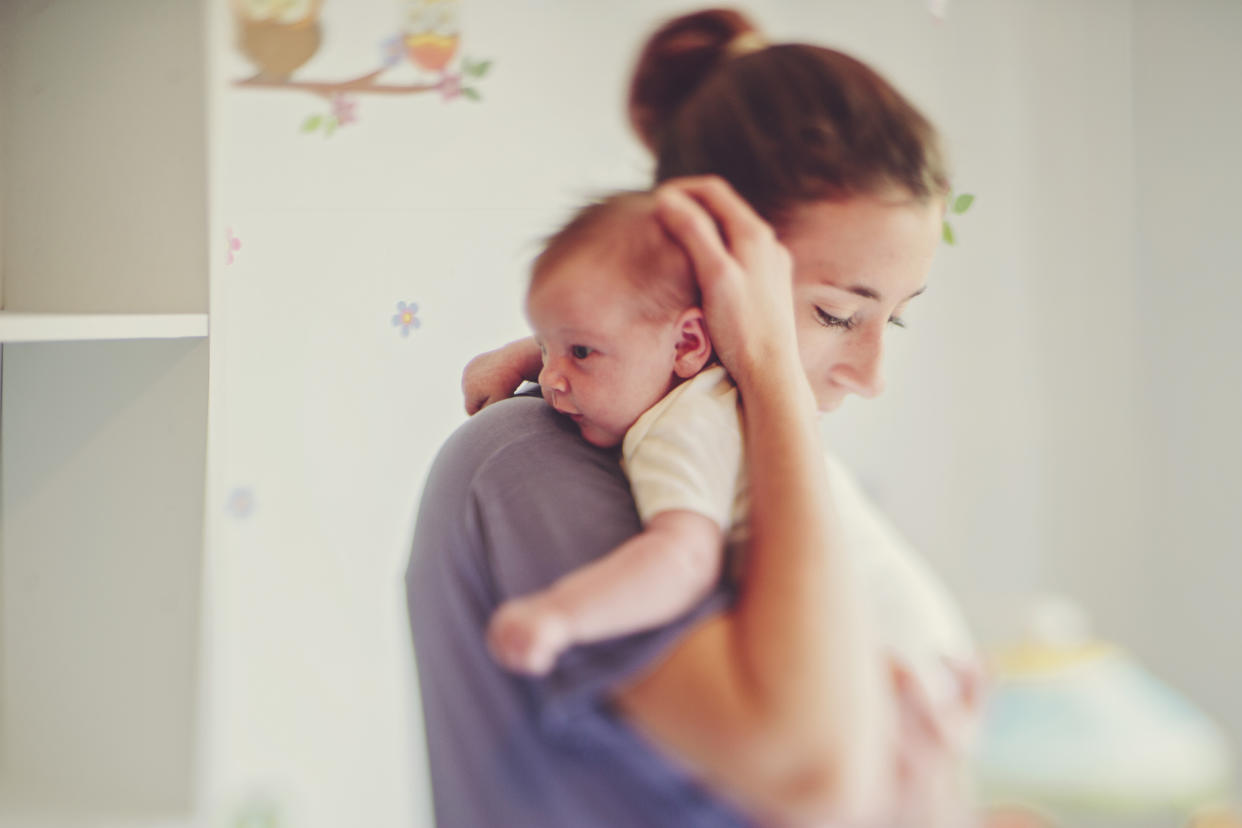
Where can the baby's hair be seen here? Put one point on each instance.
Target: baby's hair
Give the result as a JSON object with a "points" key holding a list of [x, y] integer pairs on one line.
{"points": [[623, 228]]}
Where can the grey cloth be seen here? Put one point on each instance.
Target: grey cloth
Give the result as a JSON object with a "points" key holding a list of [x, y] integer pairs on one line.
{"points": [[514, 500]]}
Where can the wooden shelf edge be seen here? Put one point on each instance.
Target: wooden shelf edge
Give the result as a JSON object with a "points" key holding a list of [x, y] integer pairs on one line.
{"points": [[16, 326]]}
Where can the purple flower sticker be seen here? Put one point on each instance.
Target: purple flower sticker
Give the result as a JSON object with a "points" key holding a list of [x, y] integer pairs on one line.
{"points": [[392, 50], [241, 502], [234, 245], [406, 317]]}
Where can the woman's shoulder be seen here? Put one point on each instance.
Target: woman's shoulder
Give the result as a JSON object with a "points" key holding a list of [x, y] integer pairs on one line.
{"points": [[524, 437], [516, 489]]}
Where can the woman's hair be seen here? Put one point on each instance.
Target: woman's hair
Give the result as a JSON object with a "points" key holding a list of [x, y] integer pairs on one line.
{"points": [[785, 124], [622, 229]]}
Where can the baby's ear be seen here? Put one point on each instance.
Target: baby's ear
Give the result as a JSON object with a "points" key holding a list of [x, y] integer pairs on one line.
{"points": [[694, 347]]}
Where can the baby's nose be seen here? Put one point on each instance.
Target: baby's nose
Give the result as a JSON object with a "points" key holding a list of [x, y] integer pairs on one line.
{"points": [[552, 380]]}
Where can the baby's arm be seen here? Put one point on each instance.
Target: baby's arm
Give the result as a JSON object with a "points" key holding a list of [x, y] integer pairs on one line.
{"points": [[651, 579], [495, 375]]}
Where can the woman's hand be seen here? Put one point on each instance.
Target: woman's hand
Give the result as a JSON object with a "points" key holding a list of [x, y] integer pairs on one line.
{"points": [[932, 746], [744, 272], [493, 376]]}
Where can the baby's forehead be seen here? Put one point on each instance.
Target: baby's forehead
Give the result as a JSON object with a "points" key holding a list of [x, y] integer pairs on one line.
{"points": [[623, 236], [617, 250], [599, 270]]}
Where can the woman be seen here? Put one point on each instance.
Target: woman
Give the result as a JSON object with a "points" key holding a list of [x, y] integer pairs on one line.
{"points": [[808, 195]]}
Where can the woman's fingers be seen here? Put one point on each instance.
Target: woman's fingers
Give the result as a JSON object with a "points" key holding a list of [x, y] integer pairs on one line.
{"points": [[693, 228], [914, 706], [740, 225], [742, 269]]}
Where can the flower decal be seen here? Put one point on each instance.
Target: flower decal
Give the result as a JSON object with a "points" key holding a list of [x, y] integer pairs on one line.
{"points": [[450, 86], [234, 245], [392, 50], [241, 502], [257, 812], [406, 317], [343, 111]]}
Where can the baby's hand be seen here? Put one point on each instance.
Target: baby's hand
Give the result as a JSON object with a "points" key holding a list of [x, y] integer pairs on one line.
{"points": [[527, 636], [495, 375]]}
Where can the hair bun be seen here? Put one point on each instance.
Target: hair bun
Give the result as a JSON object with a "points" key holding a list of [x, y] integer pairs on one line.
{"points": [[678, 58]]}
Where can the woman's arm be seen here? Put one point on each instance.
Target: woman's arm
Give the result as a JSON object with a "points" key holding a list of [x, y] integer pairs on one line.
{"points": [[778, 701], [495, 375]]}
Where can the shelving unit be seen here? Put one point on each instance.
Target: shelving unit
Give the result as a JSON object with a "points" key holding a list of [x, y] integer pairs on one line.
{"points": [[83, 327], [103, 409]]}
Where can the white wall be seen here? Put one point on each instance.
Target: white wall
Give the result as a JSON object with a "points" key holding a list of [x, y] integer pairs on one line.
{"points": [[1052, 420], [1188, 251], [999, 442]]}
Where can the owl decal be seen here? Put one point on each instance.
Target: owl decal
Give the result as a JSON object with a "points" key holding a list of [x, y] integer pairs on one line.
{"points": [[278, 36], [432, 30]]}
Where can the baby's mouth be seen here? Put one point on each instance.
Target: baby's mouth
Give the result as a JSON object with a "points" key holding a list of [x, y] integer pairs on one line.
{"points": [[577, 418]]}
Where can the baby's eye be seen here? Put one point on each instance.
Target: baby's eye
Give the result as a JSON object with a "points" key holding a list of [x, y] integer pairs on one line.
{"points": [[897, 321], [829, 321], [581, 351]]}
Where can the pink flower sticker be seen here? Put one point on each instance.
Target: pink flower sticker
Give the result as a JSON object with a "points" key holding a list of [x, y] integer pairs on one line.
{"points": [[344, 109], [450, 86], [234, 245]]}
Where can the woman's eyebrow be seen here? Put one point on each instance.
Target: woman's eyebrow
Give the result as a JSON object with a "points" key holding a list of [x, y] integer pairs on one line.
{"points": [[868, 293]]}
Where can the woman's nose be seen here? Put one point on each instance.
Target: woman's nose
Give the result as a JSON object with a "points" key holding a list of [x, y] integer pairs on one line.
{"points": [[862, 369]]}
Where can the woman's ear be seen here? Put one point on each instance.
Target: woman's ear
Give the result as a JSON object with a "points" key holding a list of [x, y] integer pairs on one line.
{"points": [[694, 347]]}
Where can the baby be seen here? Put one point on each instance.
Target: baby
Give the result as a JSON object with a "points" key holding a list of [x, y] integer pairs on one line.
{"points": [[615, 309]]}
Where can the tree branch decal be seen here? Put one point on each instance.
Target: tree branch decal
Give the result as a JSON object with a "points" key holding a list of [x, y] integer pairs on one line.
{"points": [[279, 36]]}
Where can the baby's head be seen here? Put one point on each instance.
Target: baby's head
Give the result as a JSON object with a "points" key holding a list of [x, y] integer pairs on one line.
{"points": [[615, 308]]}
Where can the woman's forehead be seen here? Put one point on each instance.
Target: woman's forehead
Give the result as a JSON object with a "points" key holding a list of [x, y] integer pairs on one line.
{"points": [[848, 243]]}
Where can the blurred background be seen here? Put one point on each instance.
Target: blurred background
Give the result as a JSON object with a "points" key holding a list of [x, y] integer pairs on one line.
{"points": [[349, 194]]}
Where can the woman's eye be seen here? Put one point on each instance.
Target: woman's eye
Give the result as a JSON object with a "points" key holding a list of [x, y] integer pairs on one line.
{"points": [[829, 321], [580, 351]]}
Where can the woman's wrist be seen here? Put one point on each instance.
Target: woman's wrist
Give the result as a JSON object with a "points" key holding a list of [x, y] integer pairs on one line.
{"points": [[775, 381]]}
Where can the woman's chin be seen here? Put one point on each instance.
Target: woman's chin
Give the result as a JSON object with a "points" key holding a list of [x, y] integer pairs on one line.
{"points": [[829, 404]]}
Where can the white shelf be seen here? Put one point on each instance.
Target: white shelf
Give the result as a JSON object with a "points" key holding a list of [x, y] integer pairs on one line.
{"points": [[14, 817], [76, 327]]}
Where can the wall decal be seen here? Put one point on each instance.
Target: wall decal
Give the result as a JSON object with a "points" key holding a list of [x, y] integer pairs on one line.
{"points": [[234, 245], [406, 318], [957, 204], [257, 812], [241, 502], [279, 36]]}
